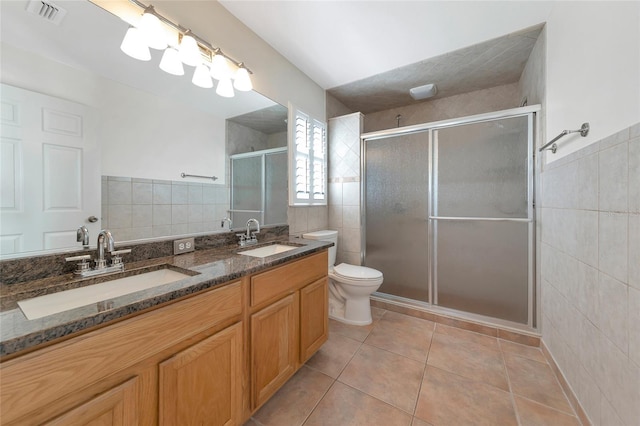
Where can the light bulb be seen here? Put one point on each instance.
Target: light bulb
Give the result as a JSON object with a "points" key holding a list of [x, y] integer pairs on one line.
{"points": [[225, 88], [152, 31], [135, 46], [189, 50], [202, 78], [220, 68], [171, 62], [242, 80]]}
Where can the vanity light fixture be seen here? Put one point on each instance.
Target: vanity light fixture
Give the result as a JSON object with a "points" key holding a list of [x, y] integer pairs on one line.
{"points": [[135, 46], [225, 88], [220, 69], [189, 50], [151, 30], [202, 77], [157, 32], [242, 80], [171, 62]]}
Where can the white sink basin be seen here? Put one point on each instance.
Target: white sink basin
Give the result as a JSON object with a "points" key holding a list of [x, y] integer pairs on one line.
{"points": [[54, 303], [268, 250]]}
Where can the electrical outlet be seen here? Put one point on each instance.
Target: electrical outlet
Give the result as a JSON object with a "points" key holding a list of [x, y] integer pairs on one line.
{"points": [[184, 245]]}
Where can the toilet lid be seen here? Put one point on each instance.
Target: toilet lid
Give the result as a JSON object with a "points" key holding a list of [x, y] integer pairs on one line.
{"points": [[356, 272]]}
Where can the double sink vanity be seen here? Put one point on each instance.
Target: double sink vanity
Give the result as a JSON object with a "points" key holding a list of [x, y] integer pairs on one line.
{"points": [[199, 338]]}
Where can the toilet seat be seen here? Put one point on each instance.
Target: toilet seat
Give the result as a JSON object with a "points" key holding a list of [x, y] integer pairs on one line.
{"points": [[356, 275]]}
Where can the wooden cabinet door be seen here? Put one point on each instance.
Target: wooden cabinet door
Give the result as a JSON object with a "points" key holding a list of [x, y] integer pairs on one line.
{"points": [[273, 347], [116, 407], [314, 318], [202, 385]]}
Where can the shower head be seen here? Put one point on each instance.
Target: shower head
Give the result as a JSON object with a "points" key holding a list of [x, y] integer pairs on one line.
{"points": [[423, 92]]}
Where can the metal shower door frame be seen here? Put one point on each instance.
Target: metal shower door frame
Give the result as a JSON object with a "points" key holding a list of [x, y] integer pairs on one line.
{"points": [[429, 129], [263, 187]]}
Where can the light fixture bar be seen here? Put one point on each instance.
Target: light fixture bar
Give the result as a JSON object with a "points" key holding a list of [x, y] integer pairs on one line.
{"points": [[182, 30]]}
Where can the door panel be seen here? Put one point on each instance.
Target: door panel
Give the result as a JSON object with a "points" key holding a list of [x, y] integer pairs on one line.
{"points": [[397, 211], [50, 171], [482, 219]]}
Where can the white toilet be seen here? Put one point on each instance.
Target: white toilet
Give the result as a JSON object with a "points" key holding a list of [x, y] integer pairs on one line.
{"points": [[349, 285]]}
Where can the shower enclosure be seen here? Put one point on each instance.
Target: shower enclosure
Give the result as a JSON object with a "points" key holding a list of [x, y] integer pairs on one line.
{"points": [[259, 187], [449, 214]]}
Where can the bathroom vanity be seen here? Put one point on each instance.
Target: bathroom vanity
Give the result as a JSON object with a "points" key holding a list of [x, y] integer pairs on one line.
{"points": [[210, 356]]}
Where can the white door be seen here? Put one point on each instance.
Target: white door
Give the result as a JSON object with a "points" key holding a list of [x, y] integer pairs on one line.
{"points": [[49, 169]]}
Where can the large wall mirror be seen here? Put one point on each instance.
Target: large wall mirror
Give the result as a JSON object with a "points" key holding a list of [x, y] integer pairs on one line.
{"points": [[93, 137]]}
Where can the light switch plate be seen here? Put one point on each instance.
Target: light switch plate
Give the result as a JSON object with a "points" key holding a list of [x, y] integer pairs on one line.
{"points": [[184, 245]]}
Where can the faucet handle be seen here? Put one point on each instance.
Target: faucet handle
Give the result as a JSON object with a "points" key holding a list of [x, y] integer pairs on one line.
{"points": [[83, 266], [243, 239], [116, 256], [119, 252]]}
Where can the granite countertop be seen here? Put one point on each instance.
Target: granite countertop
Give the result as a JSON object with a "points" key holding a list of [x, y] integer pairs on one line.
{"points": [[210, 268]]}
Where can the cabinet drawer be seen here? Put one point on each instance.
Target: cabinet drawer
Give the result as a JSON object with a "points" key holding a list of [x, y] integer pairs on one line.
{"points": [[288, 278]]}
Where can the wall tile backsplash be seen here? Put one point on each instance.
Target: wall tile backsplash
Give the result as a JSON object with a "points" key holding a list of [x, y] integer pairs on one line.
{"points": [[134, 208], [590, 274]]}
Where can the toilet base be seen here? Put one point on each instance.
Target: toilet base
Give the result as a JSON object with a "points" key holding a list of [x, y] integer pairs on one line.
{"points": [[357, 313]]}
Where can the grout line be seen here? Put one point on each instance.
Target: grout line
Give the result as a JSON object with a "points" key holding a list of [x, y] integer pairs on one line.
{"points": [[511, 393], [424, 373], [319, 401]]}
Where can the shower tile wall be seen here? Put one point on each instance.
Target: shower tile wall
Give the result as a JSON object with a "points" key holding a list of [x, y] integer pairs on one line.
{"points": [[344, 185], [135, 208], [590, 274], [477, 102]]}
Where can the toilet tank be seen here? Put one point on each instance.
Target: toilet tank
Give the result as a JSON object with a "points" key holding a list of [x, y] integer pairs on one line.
{"points": [[326, 235]]}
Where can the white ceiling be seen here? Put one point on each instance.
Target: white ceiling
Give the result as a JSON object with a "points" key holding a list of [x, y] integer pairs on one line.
{"points": [[340, 42]]}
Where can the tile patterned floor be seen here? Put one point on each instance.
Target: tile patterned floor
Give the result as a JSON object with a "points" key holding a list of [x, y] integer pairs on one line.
{"points": [[406, 371]]}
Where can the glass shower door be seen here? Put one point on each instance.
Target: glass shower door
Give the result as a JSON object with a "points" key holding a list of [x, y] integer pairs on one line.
{"points": [[482, 218], [259, 187], [396, 202]]}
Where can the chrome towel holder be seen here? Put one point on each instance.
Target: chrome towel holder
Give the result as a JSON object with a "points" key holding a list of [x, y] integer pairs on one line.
{"points": [[184, 175], [584, 131]]}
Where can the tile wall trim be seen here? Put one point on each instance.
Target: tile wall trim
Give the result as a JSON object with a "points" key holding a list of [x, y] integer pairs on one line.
{"points": [[573, 400]]}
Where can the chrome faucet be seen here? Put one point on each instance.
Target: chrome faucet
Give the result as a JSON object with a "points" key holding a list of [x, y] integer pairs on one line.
{"points": [[249, 238], [249, 222], [83, 236], [105, 240], [226, 219]]}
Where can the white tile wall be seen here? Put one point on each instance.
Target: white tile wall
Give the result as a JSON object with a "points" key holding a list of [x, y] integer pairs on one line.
{"points": [[344, 187], [590, 267]]}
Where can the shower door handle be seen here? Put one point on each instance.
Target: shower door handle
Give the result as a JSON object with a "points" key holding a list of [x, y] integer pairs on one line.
{"points": [[489, 219]]}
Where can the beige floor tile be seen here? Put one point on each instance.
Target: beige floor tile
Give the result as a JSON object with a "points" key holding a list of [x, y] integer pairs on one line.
{"points": [[355, 332], [293, 403], [534, 414], [403, 335], [334, 355], [252, 422], [535, 380], [470, 336], [524, 351], [377, 313], [387, 376], [407, 321], [419, 422], [345, 406], [466, 358], [449, 399]]}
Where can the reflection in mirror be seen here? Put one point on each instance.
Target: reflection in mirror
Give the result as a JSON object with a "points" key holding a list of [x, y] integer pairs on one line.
{"points": [[88, 131], [257, 144]]}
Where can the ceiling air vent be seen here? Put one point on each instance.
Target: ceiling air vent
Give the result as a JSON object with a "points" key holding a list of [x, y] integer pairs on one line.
{"points": [[46, 10]]}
